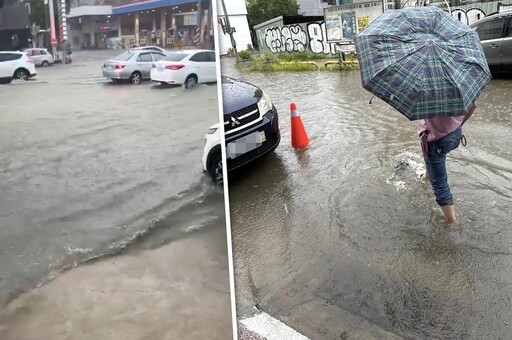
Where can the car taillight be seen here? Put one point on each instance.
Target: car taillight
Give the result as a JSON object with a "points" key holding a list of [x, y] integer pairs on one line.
{"points": [[120, 66], [174, 67]]}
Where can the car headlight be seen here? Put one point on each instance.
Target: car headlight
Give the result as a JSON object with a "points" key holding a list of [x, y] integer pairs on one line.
{"points": [[264, 104], [212, 130]]}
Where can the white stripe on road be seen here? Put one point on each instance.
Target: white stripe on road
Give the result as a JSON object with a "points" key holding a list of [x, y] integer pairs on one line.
{"points": [[270, 328]]}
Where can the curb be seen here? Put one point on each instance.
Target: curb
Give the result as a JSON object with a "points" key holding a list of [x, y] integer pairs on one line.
{"points": [[263, 326]]}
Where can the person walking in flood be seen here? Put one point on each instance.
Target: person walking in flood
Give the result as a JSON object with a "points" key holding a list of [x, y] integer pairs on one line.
{"points": [[439, 136]]}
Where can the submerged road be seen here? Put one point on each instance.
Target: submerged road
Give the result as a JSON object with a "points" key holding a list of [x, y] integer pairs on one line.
{"points": [[89, 168], [345, 239]]}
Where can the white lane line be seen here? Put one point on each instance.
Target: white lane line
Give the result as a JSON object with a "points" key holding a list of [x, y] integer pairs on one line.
{"points": [[270, 328]]}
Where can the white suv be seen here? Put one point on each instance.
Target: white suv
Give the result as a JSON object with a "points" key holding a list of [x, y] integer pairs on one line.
{"points": [[16, 65]]}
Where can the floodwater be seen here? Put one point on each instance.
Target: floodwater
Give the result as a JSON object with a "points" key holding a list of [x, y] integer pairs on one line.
{"points": [[344, 234], [88, 168]]}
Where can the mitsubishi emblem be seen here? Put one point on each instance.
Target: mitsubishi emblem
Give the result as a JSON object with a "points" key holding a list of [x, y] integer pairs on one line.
{"points": [[234, 122]]}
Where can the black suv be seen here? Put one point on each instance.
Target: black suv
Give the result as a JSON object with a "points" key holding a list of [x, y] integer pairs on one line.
{"points": [[251, 123]]}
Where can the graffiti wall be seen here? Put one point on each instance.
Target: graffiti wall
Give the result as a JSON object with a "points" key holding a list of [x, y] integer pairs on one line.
{"points": [[302, 37], [468, 14], [275, 37]]}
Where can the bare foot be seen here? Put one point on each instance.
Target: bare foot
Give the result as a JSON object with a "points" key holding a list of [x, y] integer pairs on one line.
{"points": [[424, 177], [449, 213]]}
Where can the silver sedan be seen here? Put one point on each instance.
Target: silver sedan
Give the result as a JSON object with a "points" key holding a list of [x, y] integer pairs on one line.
{"points": [[132, 65]]}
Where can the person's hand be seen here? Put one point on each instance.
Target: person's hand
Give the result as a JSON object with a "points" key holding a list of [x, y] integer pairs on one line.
{"points": [[470, 112]]}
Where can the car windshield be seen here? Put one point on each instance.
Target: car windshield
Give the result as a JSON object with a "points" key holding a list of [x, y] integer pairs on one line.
{"points": [[124, 56], [175, 56]]}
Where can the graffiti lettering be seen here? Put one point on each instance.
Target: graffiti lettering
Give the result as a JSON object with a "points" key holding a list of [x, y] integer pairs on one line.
{"points": [[468, 17], [294, 38], [318, 39], [290, 38]]}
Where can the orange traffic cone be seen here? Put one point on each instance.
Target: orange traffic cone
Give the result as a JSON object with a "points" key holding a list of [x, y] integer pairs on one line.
{"points": [[300, 138]]}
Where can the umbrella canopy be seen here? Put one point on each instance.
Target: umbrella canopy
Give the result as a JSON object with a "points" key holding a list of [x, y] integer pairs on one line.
{"points": [[423, 62]]}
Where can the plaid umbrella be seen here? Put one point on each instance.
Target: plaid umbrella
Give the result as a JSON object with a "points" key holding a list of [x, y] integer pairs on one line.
{"points": [[423, 62]]}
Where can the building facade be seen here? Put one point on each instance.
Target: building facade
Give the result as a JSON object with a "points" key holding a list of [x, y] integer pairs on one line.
{"points": [[167, 23], [15, 28], [313, 7], [237, 14], [308, 33]]}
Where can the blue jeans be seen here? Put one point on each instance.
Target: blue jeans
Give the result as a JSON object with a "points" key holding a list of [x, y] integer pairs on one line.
{"points": [[436, 165]]}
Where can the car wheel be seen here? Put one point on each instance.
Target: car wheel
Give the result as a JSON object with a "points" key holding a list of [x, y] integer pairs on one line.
{"points": [[190, 82], [45, 63], [136, 78], [215, 168], [21, 74]]}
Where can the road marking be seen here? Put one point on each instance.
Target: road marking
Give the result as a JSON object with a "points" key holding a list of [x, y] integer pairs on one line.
{"points": [[270, 328]]}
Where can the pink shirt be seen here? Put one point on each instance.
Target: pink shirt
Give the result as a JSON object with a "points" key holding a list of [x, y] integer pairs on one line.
{"points": [[439, 127]]}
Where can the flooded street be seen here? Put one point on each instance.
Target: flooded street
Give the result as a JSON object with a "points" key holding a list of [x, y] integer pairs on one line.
{"points": [[344, 237], [89, 168]]}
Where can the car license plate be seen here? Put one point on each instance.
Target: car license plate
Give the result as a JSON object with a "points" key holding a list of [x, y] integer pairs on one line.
{"points": [[245, 144]]}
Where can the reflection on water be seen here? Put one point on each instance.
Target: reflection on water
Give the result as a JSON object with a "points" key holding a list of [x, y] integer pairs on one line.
{"points": [[348, 221]]}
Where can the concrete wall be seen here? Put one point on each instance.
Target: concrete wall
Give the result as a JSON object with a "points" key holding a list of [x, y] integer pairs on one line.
{"points": [[274, 37], [473, 12], [237, 12]]}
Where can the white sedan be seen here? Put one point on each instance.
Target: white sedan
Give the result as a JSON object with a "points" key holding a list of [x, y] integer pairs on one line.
{"points": [[40, 56], [187, 67]]}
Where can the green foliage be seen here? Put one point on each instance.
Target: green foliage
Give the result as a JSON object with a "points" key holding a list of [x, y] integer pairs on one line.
{"points": [[245, 55], [37, 12], [300, 56], [264, 64], [268, 58], [262, 10], [342, 67], [350, 56]]}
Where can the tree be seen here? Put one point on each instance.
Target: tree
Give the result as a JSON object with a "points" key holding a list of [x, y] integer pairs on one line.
{"points": [[39, 12], [262, 10]]}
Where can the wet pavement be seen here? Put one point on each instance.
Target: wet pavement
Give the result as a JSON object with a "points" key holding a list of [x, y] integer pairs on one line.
{"points": [[89, 169], [344, 240]]}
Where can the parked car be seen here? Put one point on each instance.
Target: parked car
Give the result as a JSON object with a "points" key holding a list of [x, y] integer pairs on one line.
{"points": [[16, 65], [40, 56], [251, 127], [152, 48], [132, 65], [495, 32], [188, 67]]}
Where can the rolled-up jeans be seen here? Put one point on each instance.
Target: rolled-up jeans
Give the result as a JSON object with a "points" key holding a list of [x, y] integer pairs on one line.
{"points": [[435, 162]]}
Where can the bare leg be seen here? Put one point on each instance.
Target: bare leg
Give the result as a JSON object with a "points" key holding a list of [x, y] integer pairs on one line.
{"points": [[449, 213]]}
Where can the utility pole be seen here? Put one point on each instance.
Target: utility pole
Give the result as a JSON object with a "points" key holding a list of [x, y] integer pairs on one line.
{"points": [[52, 29], [200, 22], [228, 29]]}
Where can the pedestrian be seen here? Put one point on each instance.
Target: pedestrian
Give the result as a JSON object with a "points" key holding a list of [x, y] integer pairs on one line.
{"points": [[439, 136]]}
